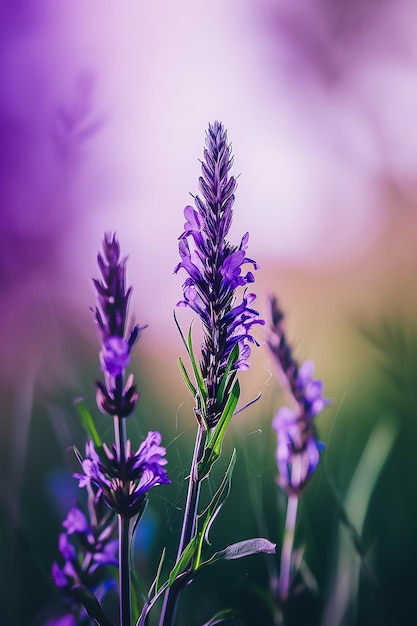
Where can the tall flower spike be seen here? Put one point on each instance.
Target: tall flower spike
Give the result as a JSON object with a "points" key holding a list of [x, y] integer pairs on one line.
{"points": [[298, 451], [113, 396], [214, 268]]}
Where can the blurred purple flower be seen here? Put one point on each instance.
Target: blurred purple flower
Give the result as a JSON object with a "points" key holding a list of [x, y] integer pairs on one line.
{"points": [[113, 396], [125, 483], [214, 269], [115, 355], [298, 451], [75, 521], [62, 620], [86, 547]]}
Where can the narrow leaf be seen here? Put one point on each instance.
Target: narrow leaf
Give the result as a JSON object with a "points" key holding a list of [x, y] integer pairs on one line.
{"points": [[233, 356], [88, 423], [219, 497], [182, 562], [197, 373], [91, 604], [155, 584], [241, 549], [186, 378], [248, 547], [214, 446], [220, 617], [180, 331], [213, 509]]}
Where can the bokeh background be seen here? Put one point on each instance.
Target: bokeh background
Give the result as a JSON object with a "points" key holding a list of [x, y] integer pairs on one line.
{"points": [[103, 110]]}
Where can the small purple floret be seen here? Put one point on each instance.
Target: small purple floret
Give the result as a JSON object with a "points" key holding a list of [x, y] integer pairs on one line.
{"points": [[115, 355], [75, 522]]}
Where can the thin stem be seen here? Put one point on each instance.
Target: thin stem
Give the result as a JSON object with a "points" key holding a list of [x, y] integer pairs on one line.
{"points": [[124, 572], [169, 607], [124, 535], [120, 438], [287, 548]]}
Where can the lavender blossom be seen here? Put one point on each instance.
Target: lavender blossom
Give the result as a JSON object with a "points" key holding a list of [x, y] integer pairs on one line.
{"points": [[86, 547], [214, 268], [113, 396], [124, 485], [298, 451]]}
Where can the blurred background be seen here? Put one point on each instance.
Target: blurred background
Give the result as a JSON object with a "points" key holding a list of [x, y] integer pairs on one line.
{"points": [[103, 112]]}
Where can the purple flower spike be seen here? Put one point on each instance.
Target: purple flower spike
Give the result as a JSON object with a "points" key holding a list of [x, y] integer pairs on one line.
{"points": [[113, 396], [298, 451], [141, 471], [214, 268]]}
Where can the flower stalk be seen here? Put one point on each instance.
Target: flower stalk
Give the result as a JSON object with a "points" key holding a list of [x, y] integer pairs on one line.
{"points": [[298, 451], [122, 477], [287, 548], [214, 269], [124, 571]]}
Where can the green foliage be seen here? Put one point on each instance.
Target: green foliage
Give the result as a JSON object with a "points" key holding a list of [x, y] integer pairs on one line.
{"points": [[213, 446]]}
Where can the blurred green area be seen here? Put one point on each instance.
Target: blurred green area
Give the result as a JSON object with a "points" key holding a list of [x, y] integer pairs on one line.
{"points": [[371, 426]]}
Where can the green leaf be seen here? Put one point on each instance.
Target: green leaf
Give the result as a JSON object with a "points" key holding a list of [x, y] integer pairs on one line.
{"points": [[233, 356], [213, 509], [180, 331], [91, 604], [187, 378], [155, 584], [248, 547], [88, 423], [241, 549], [182, 563], [214, 445], [197, 373], [200, 397], [221, 616]]}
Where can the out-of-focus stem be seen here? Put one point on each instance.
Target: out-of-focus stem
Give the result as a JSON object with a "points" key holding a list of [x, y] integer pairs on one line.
{"points": [[124, 572], [169, 607], [124, 535], [287, 547]]}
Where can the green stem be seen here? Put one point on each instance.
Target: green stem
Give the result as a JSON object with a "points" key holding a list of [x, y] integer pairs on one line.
{"points": [[124, 534], [124, 572], [170, 604], [287, 548]]}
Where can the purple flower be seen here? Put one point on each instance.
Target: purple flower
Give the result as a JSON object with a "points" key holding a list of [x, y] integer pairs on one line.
{"points": [[298, 451], [125, 484], [62, 620], [75, 522], [86, 547], [115, 355], [113, 396], [215, 270]]}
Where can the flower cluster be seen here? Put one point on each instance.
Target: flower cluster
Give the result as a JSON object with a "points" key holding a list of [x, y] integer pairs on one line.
{"points": [[86, 547], [113, 396], [298, 451], [124, 484], [214, 268]]}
